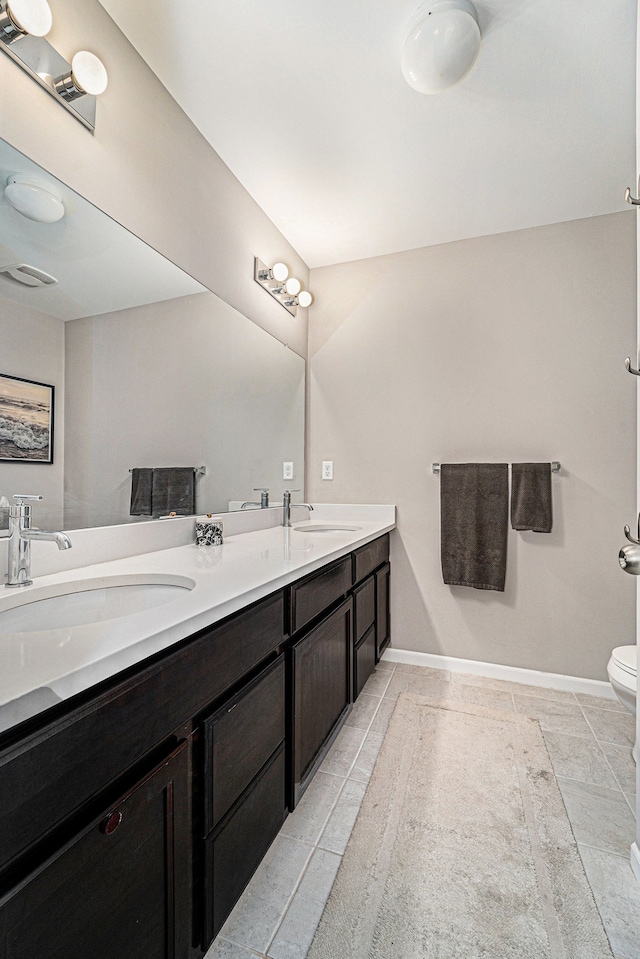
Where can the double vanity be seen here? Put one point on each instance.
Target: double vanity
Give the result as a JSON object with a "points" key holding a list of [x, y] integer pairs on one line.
{"points": [[163, 713]]}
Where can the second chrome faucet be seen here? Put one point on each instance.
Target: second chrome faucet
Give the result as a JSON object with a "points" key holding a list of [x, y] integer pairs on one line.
{"points": [[287, 504]]}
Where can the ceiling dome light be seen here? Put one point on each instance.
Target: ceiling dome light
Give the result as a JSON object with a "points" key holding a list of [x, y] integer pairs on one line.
{"points": [[304, 298], [88, 75], [293, 286], [441, 46], [35, 198], [20, 17]]}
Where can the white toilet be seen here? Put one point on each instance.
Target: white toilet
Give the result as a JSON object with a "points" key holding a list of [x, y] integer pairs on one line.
{"points": [[623, 670]]}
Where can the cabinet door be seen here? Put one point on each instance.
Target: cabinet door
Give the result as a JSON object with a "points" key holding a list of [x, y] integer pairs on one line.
{"points": [[383, 619], [321, 672], [120, 888]]}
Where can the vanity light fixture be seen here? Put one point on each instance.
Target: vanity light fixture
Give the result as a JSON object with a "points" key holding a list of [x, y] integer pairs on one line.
{"points": [[34, 197], [24, 25], [441, 45], [86, 76], [287, 290], [19, 18]]}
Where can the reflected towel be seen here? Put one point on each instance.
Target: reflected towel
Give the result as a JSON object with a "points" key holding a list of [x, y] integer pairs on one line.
{"points": [[531, 502], [141, 492], [173, 490], [474, 519]]}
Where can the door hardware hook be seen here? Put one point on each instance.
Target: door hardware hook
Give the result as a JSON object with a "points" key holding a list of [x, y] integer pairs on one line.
{"points": [[629, 367], [631, 199], [633, 539]]}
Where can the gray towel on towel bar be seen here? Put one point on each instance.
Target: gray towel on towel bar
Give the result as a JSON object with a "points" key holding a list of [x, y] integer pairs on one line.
{"points": [[531, 503], [474, 519], [140, 492], [173, 490]]}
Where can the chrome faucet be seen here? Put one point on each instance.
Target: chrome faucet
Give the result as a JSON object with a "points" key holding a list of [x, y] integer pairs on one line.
{"points": [[286, 504], [20, 535]]}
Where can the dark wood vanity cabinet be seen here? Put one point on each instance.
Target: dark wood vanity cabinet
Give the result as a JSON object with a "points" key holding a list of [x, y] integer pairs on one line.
{"points": [[120, 887], [133, 815]]}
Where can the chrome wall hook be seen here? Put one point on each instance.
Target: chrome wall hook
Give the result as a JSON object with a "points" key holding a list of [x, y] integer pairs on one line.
{"points": [[629, 368], [631, 199], [633, 539]]}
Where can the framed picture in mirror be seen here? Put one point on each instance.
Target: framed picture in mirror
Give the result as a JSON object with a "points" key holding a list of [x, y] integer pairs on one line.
{"points": [[26, 420]]}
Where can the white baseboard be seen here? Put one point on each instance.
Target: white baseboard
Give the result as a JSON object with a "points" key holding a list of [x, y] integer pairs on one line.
{"points": [[513, 674], [635, 860]]}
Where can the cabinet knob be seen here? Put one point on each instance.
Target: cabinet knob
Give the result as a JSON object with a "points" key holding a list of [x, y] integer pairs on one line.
{"points": [[111, 823]]}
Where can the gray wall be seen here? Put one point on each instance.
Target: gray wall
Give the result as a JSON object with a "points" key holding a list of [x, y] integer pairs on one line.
{"points": [[32, 347], [150, 169], [185, 382], [503, 348]]}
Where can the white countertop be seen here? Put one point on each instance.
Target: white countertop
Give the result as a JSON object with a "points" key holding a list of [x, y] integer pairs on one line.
{"points": [[51, 665]]}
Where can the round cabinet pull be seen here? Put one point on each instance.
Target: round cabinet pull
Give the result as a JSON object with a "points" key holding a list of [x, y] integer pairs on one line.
{"points": [[111, 823]]}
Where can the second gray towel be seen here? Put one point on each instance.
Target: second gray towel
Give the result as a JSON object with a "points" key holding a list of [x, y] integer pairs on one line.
{"points": [[474, 518], [531, 504]]}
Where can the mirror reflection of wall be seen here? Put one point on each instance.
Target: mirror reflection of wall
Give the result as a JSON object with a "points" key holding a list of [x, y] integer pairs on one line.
{"points": [[149, 369]]}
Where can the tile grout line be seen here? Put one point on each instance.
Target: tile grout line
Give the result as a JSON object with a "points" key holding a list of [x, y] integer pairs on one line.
{"points": [[609, 766], [315, 846]]}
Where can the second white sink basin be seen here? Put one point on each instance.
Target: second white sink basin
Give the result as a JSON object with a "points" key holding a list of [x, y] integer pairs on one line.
{"points": [[84, 602]]}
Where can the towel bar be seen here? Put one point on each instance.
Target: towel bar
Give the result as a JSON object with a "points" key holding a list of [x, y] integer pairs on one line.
{"points": [[198, 470], [555, 466]]}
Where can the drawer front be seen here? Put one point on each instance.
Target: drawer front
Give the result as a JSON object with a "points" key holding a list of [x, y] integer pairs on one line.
{"points": [[52, 773], [369, 557], [240, 738], [364, 661], [316, 593], [365, 607], [235, 850]]}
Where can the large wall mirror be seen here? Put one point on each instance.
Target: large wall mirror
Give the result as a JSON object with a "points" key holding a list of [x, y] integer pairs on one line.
{"points": [[149, 369]]}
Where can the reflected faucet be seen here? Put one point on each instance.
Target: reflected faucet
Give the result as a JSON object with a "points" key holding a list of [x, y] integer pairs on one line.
{"points": [[264, 498], [20, 535], [286, 504]]}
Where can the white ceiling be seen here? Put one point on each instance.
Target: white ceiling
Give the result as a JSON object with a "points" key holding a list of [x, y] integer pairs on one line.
{"points": [[305, 102]]}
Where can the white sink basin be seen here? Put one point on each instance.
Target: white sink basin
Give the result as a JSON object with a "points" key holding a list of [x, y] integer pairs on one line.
{"points": [[325, 527], [84, 602]]}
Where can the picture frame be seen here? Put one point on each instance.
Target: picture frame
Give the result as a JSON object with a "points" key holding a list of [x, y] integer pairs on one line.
{"points": [[26, 420]]}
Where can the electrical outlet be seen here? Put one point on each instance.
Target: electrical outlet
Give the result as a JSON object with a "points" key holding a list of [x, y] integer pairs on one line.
{"points": [[287, 471], [327, 469]]}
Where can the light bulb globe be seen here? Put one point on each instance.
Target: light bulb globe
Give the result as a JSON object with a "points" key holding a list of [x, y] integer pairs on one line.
{"points": [[31, 16], [442, 46], [293, 286], [280, 272], [305, 298]]}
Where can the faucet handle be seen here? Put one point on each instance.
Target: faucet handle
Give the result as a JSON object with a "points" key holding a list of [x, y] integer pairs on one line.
{"points": [[20, 497], [292, 490], [260, 489]]}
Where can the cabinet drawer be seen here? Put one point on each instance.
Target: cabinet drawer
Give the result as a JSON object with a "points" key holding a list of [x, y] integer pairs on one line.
{"points": [[235, 849], [365, 608], [120, 887], [369, 557], [240, 738], [316, 593], [364, 661], [51, 773]]}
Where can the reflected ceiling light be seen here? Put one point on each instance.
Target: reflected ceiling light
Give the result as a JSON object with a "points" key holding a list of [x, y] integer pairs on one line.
{"points": [[287, 290], [21, 17], [441, 45], [34, 198], [88, 75]]}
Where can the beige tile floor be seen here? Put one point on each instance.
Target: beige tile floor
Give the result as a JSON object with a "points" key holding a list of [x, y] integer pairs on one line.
{"points": [[589, 740]]}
